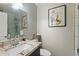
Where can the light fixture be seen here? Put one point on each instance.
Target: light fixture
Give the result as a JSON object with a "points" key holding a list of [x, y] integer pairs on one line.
{"points": [[17, 6]]}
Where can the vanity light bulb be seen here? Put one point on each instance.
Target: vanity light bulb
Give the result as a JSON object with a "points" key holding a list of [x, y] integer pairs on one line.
{"points": [[17, 6]]}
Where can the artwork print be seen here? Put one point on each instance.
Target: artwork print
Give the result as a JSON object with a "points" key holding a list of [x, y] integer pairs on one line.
{"points": [[57, 16]]}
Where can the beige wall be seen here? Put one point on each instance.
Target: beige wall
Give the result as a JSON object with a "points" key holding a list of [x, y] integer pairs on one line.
{"points": [[58, 40]]}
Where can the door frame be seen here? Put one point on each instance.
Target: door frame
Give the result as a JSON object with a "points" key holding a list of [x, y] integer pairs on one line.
{"points": [[76, 29]]}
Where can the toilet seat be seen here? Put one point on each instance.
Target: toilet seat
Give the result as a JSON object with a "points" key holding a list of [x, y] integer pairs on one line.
{"points": [[44, 52]]}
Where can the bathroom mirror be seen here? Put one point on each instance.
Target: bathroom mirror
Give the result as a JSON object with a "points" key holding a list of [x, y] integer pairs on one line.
{"points": [[16, 20]]}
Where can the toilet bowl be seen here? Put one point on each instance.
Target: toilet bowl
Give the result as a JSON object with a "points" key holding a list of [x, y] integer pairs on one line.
{"points": [[44, 52]]}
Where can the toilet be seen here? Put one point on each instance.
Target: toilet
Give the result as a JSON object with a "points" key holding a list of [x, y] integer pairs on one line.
{"points": [[43, 52]]}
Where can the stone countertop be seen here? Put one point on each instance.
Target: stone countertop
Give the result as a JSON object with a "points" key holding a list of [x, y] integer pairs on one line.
{"points": [[26, 52], [34, 45]]}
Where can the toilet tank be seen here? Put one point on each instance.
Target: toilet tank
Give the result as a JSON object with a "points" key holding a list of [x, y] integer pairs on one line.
{"points": [[39, 38]]}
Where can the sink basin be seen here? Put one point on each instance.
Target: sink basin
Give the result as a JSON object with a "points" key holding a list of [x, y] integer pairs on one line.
{"points": [[16, 50]]}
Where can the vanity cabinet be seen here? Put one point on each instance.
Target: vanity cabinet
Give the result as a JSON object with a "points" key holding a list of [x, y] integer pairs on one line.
{"points": [[36, 52]]}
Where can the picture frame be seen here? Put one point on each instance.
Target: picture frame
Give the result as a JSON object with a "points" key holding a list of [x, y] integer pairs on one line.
{"points": [[57, 16], [24, 22]]}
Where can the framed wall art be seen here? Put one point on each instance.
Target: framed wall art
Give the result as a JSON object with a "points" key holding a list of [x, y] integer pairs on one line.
{"points": [[24, 22], [57, 16]]}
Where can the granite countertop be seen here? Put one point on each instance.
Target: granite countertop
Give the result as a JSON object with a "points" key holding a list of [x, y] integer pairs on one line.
{"points": [[22, 49], [34, 45]]}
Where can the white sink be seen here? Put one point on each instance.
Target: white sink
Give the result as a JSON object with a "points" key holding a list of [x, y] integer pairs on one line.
{"points": [[18, 49]]}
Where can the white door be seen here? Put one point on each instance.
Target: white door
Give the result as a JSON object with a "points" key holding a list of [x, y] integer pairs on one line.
{"points": [[3, 24]]}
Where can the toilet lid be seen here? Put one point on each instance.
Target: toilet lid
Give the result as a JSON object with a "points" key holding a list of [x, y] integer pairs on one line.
{"points": [[44, 52]]}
